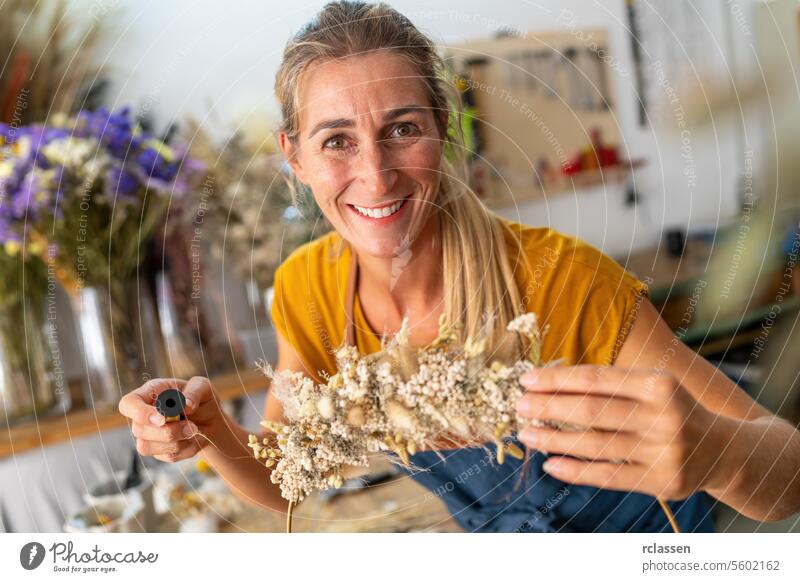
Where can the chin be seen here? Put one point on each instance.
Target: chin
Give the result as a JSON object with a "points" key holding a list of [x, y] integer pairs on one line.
{"points": [[389, 248], [381, 251]]}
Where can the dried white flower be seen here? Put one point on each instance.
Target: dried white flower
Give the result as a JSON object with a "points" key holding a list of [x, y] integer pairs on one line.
{"points": [[400, 399], [325, 407]]}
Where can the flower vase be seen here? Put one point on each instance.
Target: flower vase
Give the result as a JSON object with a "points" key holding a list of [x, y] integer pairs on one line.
{"points": [[120, 340], [192, 313], [254, 330], [182, 327], [27, 382]]}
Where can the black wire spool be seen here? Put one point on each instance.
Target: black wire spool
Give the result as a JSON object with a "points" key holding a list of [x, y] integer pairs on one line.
{"points": [[171, 404]]}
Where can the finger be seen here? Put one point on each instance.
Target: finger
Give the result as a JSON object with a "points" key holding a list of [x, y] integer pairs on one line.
{"points": [[608, 380], [185, 453], [619, 476], [589, 411], [155, 448], [152, 388], [138, 404], [151, 448], [198, 390], [170, 432], [594, 445]]}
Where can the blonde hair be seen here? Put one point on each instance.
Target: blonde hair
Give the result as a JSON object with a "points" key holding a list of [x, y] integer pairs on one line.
{"points": [[476, 265]]}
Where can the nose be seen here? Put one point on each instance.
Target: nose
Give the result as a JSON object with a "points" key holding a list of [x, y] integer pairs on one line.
{"points": [[377, 173]]}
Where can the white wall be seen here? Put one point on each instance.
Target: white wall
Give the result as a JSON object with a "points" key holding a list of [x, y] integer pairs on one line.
{"points": [[216, 61]]}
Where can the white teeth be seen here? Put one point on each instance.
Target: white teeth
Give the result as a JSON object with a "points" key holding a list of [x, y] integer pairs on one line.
{"points": [[380, 212]]}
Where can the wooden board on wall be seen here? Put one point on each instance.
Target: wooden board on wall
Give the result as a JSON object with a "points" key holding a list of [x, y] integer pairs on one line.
{"points": [[538, 97]]}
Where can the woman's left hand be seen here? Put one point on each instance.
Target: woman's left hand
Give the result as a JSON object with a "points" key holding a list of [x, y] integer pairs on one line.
{"points": [[649, 433]]}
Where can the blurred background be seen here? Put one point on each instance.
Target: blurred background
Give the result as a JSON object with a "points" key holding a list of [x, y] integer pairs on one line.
{"points": [[144, 208]]}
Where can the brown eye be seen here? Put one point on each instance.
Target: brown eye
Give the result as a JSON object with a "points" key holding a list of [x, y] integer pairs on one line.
{"points": [[404, 130], [335, 143]]}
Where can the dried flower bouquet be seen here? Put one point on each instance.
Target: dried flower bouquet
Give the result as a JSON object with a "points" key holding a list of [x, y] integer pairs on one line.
{"points": [[400, 399]]}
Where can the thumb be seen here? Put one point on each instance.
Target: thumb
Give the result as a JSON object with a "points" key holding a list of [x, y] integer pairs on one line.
{"points": [[197, 391]]}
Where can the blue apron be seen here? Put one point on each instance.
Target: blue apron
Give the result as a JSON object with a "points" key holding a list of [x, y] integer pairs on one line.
{"points": [[518, 496], [483, 496]]}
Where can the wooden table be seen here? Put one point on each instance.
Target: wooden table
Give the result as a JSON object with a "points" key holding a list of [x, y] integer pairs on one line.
{"points": [[398, 505], [73, 424]]}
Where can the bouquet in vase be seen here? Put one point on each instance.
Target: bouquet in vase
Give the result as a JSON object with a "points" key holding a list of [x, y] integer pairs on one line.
{"points": [[101, 187], [26, 367], [249, 206]]}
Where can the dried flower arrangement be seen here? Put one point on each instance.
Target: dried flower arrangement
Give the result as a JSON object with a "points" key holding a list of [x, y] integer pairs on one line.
{"points": [[244, 190], [50, 51], [400, 399]]}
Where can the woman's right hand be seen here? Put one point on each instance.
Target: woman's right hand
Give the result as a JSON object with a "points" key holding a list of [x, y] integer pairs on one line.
{"points": [[172, 441]]}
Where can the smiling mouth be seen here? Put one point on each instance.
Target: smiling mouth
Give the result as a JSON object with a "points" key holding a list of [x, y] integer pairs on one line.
{"points": [[380, 212]]}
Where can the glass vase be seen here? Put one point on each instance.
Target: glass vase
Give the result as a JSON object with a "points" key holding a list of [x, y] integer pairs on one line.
{"points": [[181, 329], [120, 340], [27, 384]]}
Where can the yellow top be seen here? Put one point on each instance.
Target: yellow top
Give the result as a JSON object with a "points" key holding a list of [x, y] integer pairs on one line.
{"points": [[588, 300]]}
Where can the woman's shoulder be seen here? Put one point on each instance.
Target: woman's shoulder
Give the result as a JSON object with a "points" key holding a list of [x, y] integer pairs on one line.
{"points": [[313, 269], [308, 299], [586, 297], [312, 274], [547, 251], [313, 257]]}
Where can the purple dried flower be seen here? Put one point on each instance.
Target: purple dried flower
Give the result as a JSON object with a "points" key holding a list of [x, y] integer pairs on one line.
{"points": [[122, 181]]}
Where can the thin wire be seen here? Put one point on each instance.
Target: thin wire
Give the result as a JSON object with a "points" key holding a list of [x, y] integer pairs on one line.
{"points": [[199, 434]]}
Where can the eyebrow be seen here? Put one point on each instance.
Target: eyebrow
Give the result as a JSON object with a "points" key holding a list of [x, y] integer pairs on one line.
{"points": [[391, 115]]}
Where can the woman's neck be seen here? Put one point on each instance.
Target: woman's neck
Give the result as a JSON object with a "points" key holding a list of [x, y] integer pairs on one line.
{"points": [[410, 283]]}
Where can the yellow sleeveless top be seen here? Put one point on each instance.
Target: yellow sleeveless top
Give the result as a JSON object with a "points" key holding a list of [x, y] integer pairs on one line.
{"points": [[586, 298]]}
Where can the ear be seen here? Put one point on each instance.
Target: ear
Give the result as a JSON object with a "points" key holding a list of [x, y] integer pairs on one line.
{"points": [[290, 151]]}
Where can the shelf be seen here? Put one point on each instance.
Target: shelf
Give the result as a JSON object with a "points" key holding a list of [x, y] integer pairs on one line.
{"points": [[507, 189], [54, 429]]}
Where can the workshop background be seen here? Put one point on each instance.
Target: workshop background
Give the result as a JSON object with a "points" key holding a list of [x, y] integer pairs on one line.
{"points": [[664, 134]]}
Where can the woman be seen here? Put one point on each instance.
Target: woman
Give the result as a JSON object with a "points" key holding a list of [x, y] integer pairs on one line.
{"points": [[366, 113]]}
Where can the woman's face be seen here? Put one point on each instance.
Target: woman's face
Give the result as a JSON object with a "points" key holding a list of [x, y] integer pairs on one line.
{"points": [[369, 149]]}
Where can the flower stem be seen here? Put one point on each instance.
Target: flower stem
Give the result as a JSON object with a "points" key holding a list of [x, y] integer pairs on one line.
{"points": [[670, 516], [289, 517]]}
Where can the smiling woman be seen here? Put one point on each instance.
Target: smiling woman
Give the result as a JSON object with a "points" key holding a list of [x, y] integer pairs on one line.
{"points": [[370, 127], [370, 89]]}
